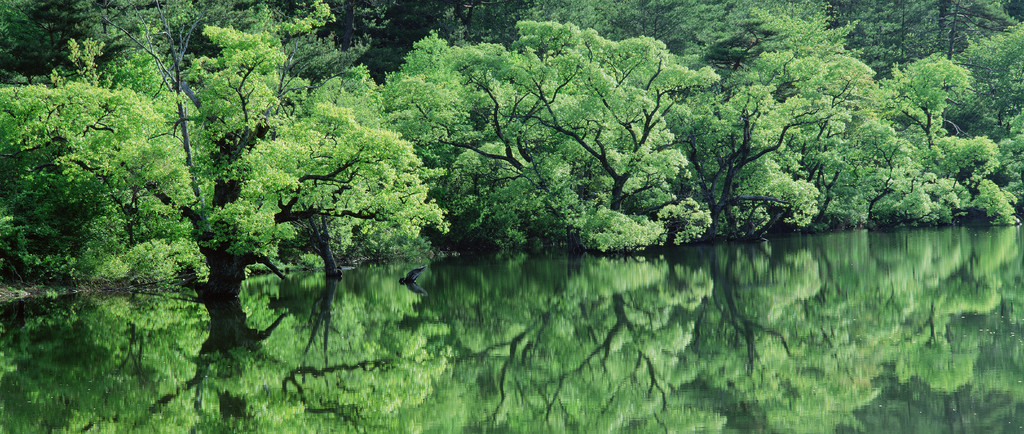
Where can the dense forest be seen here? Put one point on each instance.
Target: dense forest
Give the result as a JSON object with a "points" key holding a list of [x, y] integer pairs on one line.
{"points": [[148, 140]]}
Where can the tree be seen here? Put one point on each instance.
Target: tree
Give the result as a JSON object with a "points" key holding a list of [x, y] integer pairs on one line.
{"points": [[900, 31], [566, 120], [788, 84], [997, 91], [951, 167], [80, 155], [243, 152], [34, 36], [239, 216], [961, 20]]}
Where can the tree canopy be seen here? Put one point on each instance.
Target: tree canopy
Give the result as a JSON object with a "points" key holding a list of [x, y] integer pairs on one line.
{"points": [[217, 136]]}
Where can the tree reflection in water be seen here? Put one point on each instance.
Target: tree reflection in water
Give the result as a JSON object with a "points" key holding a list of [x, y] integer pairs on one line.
{"points": [[914, 331]]}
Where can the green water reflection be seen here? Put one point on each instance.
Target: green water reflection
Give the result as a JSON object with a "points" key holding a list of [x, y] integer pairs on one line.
{"points": [[912, 331]]}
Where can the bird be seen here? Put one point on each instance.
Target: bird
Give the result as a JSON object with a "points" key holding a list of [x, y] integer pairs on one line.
{"points": [[413, 274]]}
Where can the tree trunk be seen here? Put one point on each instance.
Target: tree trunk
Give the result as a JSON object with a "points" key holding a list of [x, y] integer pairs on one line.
{"points": [[618, 187], [320, 236], [349, 25], [227, 271], [574, 241], [716, 215]]}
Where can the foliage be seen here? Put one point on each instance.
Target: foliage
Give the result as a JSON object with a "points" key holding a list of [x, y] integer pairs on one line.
{"points": [[567, 120], [34, 36], [998, 99], [236, 156], [785, 101], [138, 130]]}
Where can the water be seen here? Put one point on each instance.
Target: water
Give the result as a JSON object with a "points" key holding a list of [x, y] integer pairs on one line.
{"points": [[909, 331]]}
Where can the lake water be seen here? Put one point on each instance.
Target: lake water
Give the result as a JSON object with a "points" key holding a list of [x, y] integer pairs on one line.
{"points": [[908, 331]]}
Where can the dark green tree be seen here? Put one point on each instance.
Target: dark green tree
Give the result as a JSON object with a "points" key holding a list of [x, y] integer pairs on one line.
{"points": [[34, 36]]}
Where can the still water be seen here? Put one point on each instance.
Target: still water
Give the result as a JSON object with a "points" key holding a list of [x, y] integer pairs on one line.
{"points": [[909, 331]]}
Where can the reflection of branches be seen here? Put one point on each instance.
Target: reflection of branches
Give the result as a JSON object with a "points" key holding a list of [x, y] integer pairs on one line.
{"points": [[320, 316], [342, 411], [134, 353], [654, 379], [513, 345], [745, 325], [612, 347], [725, 300], [697, 327], [366, 365], [195, 381], [618, 303], [512, 354], [622, 322]]}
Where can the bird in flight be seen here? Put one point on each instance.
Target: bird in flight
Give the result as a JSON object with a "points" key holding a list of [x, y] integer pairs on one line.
{"points": [[413, 274], [410, 281]]}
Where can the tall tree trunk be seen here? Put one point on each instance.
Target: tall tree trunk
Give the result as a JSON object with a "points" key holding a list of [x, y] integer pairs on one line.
{"points": [[349, 25], [953, 30]]}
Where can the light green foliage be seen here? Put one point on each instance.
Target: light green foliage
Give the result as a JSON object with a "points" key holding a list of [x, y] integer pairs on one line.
{"points": [[378, 173], [996, 63], [921, 92], [950, 170], [238, 154], [383, 168], [1012, 157], [996, 203], [788, 101], [84, 57], [316, 15], [7, 233], [565, 118], [686, 220], [606, 230], [84, 129], [968, 161], [105, 146], [157, 261], [239, 85]]}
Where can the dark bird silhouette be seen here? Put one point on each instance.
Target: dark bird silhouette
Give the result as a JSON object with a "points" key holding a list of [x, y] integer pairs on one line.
{"points": [[413, 274]]}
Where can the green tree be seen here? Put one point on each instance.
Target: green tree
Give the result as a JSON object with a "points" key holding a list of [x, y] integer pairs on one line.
{"points": [[997, 98], [793, 86], [80, 155], [951, 168], [900, 31], [34, 36], [568, 123], [237, 155]]}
